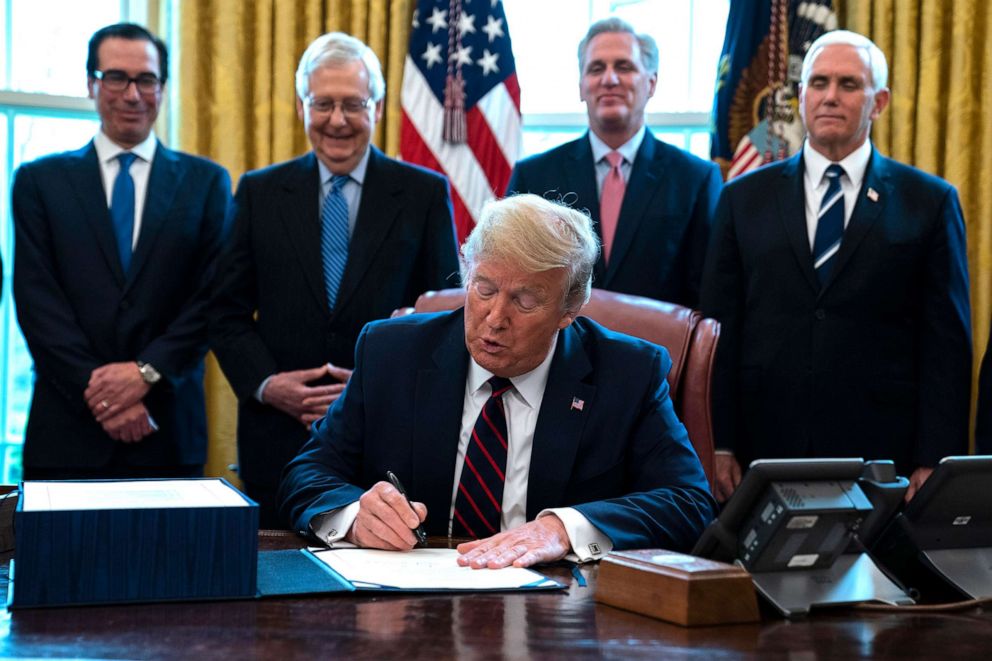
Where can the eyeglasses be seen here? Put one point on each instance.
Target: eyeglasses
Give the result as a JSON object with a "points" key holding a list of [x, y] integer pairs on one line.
{"points": [[116, 80], [349, 107]]}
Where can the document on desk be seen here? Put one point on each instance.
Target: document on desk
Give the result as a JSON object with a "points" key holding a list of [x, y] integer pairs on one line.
{"points": [[426, 570]]}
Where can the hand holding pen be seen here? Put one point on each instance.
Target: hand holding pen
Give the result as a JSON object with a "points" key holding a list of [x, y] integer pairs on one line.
{"points": [[419, 530], [386, 519]]}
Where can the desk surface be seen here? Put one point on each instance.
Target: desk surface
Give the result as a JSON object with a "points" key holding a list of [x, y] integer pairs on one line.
{"points": [[515, 626]]}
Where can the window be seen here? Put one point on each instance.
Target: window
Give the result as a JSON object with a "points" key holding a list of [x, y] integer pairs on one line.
{"points": [[43, 109], [546, 35]]}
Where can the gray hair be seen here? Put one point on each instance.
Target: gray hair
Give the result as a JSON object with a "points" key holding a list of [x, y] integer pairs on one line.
{"points": [[337, 48], [877, 65], [647, 44], [536, 235]]}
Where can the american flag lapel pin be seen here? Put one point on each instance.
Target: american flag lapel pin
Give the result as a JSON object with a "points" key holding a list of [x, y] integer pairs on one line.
{"points": [[577, 404], [872, 194]]}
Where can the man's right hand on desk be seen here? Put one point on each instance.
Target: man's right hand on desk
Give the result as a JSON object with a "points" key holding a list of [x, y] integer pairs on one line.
{"points": [[289, 392], [386, 520]]}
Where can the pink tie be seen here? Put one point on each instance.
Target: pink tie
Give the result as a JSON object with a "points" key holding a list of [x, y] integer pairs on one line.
{"points": [[610, 201]]}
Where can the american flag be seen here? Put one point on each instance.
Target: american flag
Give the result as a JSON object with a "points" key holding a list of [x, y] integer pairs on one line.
{"points": [[461, 101]]}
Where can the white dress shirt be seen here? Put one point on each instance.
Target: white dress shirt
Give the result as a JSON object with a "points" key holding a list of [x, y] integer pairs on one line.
{"points": [[815, 182], [352, 189], [628, 150], [107, 152]]}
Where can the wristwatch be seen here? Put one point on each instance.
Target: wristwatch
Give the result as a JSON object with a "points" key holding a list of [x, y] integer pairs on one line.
{"points": [[149, 373]]}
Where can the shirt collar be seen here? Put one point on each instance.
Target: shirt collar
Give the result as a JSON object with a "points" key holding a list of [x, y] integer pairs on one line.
{"points": [[530, 385], [854, 164], [628, 149], [357, 175], [108, 150]]}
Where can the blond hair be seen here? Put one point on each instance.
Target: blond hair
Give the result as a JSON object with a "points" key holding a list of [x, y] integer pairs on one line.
{"points": [[536, 235]]}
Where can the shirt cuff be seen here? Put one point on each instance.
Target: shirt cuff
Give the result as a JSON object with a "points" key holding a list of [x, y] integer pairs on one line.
{"points": [[588, 542], [332, 526], [260, 392]]}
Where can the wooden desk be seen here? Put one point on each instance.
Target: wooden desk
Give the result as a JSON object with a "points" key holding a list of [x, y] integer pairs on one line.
{"points": [[513, 626]]}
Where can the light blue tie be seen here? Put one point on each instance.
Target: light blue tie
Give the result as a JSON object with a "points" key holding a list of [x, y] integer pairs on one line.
{"points": [[334, 237], [829, 225], [122, 209]]}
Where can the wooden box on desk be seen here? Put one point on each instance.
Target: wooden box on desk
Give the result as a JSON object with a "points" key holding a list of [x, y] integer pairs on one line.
{"points": [[108, 541], [676, 588]]}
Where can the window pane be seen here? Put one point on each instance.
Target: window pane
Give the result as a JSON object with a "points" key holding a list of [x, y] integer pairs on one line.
{"points": [[48, 46], [34, 135], [15, 363], [542, 138], [546, 34], [38, 135]]}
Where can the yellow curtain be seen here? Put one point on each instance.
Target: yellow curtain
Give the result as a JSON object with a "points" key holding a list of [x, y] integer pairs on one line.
{"points": [[940, 119], [236, 104]]}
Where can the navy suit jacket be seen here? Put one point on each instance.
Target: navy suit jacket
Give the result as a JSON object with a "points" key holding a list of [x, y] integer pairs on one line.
{"points": [[664, 225], [623, 460], [877, 362], [270, 312], [78, 310]]}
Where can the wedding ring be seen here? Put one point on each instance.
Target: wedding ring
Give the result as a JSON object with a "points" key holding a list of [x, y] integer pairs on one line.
{"points": [[105, 404]]}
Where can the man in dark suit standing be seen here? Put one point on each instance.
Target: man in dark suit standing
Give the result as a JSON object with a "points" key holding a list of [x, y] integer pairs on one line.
{"points": [[510, 421], [651, 203], [115, 247], [321, 245], [840, 279]]}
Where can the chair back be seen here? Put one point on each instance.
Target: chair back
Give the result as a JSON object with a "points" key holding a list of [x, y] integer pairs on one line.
{"points": [[689, 337]]}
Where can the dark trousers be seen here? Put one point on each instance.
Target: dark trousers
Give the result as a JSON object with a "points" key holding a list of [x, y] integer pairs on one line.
{"points": [[268, 506]]}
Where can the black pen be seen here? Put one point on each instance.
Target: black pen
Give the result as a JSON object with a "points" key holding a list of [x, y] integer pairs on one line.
{"points": [[419, 530]]}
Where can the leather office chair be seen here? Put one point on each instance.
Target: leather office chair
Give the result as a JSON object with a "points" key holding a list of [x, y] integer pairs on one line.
{"points": [[689, 337]]}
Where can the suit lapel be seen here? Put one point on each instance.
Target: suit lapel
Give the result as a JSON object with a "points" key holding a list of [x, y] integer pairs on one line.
{"points": [[299, 214], [644, 177], [559, 424], [792, 211], [87, 183], [866, 212], [163, 187], [378, 209], [580, 178], [438, 403]]}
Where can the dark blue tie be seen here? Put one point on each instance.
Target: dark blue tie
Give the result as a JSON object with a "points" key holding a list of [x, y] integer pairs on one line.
{"points": [[829, 224], [479, 503], [122, 209], [334, 237]]}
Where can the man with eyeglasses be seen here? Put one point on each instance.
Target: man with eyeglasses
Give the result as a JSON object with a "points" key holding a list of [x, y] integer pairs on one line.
{"points": [[321, 245], [115, 248]]}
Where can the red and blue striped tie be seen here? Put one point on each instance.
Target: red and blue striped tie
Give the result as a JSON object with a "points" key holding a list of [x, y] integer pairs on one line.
{"points": [[479, 503]]}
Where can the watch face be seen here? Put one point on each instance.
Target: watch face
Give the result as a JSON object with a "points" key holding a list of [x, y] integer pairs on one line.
{"points": [[149, 374]]}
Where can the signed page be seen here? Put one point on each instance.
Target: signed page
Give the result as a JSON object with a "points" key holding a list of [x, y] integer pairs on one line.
{"points": [[424, 569]]}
